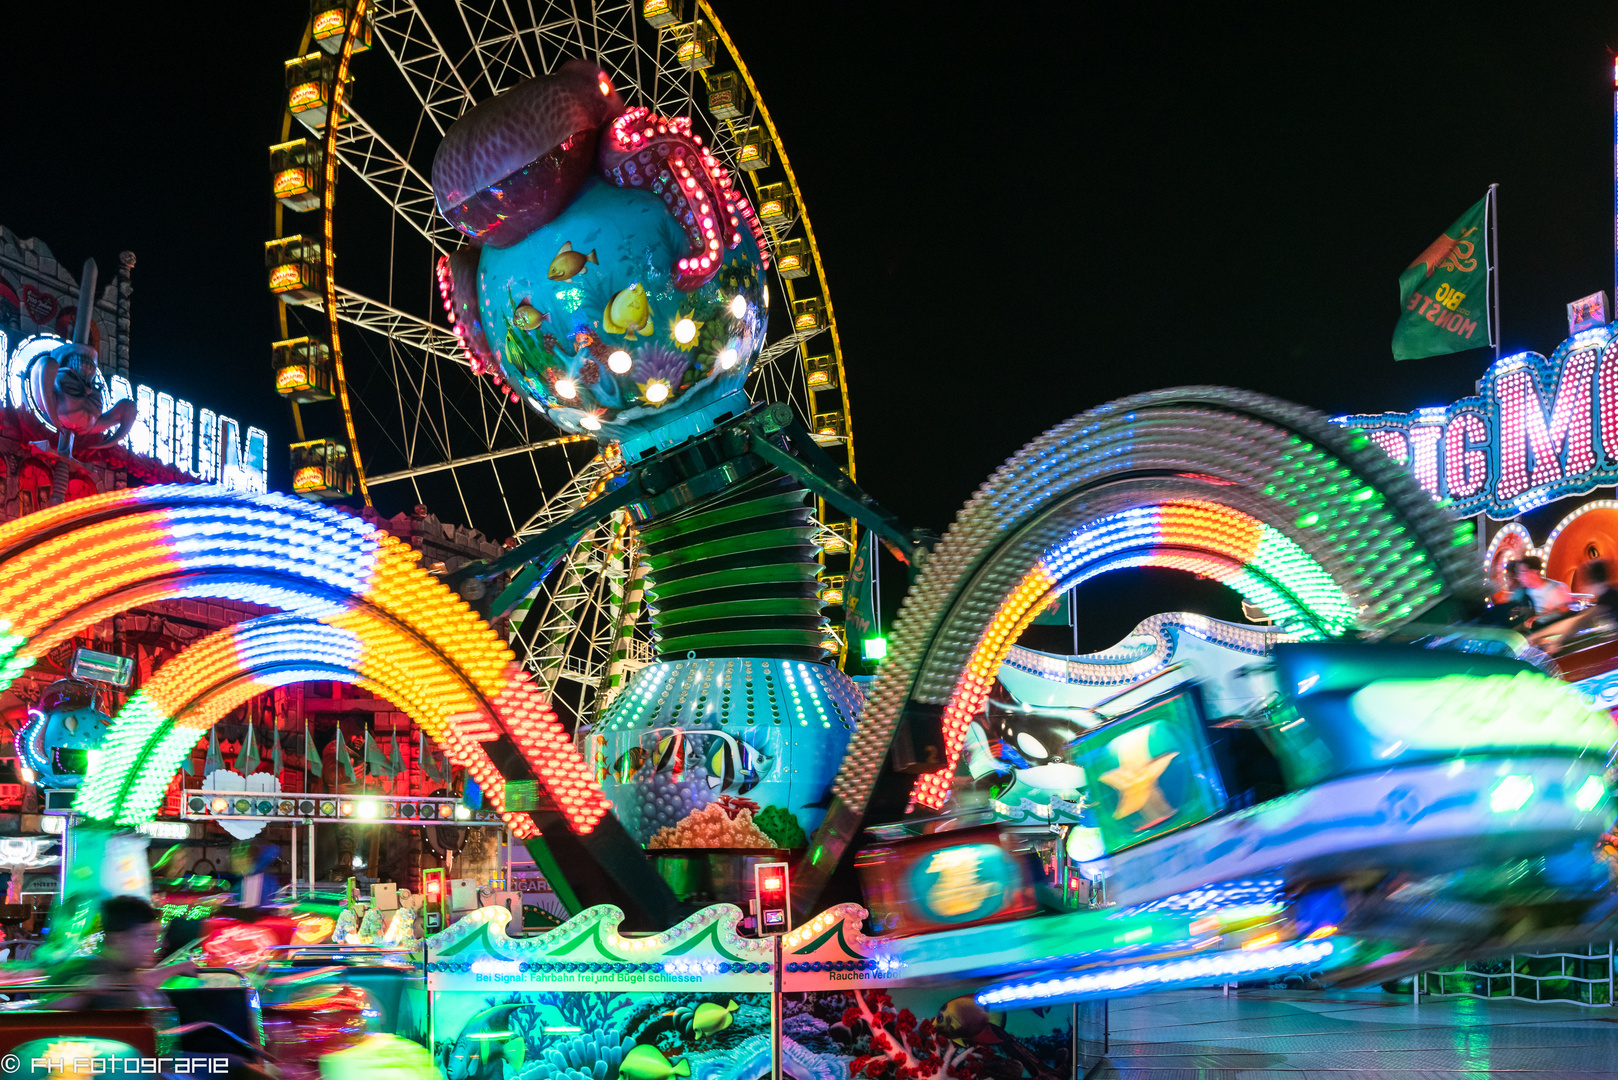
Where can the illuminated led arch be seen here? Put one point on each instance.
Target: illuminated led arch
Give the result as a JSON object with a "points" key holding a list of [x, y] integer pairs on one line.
{"points": [[1210, 540], [1217, 481], [69, 566], [1514, 531], [160, 724]]}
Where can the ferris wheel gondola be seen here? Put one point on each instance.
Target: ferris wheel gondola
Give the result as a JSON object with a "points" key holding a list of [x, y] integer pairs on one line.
{"points": [[412, 421]]}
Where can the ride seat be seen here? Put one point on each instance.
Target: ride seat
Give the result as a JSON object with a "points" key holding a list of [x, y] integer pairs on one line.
{"points": [[228, 1007], [135, 1027]]}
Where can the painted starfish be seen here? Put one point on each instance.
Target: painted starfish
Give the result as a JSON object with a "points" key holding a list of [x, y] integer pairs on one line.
{"points": [[1135, 779]]}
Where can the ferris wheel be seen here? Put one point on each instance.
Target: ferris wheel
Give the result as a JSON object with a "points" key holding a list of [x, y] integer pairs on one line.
{"points": [[386, 404]]}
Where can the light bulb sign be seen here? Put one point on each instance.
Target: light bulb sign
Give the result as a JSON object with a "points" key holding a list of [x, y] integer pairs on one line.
{"points": [[168, 430], [1538, 429]]}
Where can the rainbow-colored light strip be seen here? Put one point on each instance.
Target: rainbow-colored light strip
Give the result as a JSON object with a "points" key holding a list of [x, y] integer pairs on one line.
{"points": [[1213, 541], [368, 614], [1204, 538]]}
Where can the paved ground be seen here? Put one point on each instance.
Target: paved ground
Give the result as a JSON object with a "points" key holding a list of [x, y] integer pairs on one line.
{"points": [[1299, 1035]]}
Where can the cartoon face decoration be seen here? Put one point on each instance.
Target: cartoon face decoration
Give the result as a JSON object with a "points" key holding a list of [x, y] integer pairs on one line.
{"points": [[62, 727], [1032, 744]]}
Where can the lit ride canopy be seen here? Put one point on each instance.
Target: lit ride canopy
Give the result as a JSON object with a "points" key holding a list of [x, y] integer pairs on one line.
{"points": [[1298, 514]]}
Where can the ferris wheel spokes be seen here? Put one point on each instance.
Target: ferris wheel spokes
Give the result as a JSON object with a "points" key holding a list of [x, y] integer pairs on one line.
{"points": [[451, 433], [407, 38], [385, 171]]}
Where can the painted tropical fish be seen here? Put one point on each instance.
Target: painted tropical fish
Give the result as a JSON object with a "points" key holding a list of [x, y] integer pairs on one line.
{"points": [[736, 763], [569, 263], [629, 312], [629, 763], [671, 754], [646, 1062], [710, 1019], [484, 1045], [527, 316], [523, 354]]}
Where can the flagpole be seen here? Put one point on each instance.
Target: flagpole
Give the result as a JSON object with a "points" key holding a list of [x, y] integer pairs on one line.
{"points": [[876, 582], [1073, 618], [1494, 261], [1480, 527]]}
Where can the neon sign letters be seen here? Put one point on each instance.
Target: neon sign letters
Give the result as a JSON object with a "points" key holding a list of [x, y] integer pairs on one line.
{"points": [[199, 443], [1538, 429]]}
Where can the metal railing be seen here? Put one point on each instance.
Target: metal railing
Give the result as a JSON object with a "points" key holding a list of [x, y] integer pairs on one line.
{"points": [[1577, 978]]}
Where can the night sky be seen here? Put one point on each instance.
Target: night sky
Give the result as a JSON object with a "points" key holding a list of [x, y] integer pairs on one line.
{"points": [[1022, 214]]}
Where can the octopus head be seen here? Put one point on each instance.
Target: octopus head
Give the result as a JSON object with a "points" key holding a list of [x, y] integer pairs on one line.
{"points": [[515, 161]]}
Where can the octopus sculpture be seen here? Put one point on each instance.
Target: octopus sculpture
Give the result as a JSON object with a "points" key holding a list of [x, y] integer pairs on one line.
{"points": [[613, 274], [65, 389]]}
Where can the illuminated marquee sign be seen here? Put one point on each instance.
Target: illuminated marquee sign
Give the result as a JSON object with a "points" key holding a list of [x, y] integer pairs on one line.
{"points": [[197, 442], [1537, 430]]}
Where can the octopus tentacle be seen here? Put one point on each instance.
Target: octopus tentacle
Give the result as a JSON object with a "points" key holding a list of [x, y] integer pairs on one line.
{"points": [[458, 287], [741, 209], [660, 155]]}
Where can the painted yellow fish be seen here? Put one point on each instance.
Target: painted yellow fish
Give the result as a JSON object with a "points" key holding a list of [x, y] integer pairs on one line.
{"points": [[568, 263], [527, 316], [646, 1062], [962, 1021], [628, 313], [710, 1019]]}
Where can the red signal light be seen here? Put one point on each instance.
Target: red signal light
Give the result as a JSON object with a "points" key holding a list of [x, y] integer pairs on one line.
{"points": [[774, 906]]}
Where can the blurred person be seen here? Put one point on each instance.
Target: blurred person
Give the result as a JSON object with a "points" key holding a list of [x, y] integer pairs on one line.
{"points": [[250, 864], [1551, 599], [1596, 576], [124, 973]]}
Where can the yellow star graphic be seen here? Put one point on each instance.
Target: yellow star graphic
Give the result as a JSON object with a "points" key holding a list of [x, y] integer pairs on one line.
{"points": [[1135, 779]]}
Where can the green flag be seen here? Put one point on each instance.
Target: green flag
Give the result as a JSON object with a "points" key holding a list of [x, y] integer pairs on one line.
{"points": [[859, 605], [213, 762], [429, 763], [376, 762], [248, 760], [1055, 613], [1444, 293], [311, 756], [276, 762], [396, 763], [344, 759]]}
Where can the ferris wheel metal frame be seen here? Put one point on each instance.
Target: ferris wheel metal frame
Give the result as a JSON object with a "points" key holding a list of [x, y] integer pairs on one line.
{"points": [[451, 55]]}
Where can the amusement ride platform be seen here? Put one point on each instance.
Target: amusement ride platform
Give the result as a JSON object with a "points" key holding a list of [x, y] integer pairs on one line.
{"points": [[1310, 1035]]}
